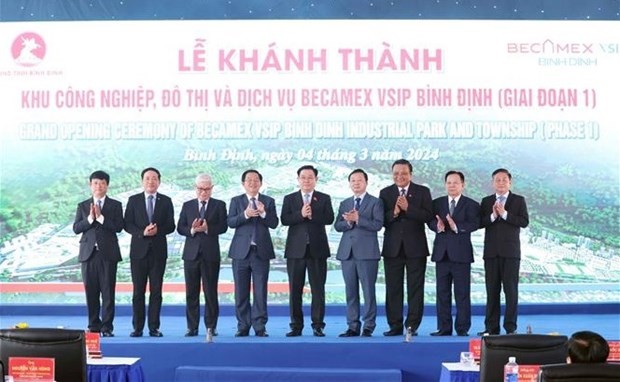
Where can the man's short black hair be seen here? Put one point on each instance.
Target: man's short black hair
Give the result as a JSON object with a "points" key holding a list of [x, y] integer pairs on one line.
{"points": [[100, 175]]}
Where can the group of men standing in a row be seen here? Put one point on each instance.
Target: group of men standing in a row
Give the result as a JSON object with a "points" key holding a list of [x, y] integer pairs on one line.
{"points": [[403, 209]]}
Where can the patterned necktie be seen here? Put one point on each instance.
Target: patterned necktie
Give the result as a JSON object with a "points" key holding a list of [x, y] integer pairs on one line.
{"points": [[150, 207], [502, 199], [255, 221], [357, 203], [203, 209], [307, 201], [452, 206], [402, 192]]}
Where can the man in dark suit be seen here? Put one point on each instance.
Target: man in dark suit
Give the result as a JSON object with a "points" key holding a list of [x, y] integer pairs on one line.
{"points": [[149, 217], [251, 215], [359, 219], [201, 221], [502, 214], [307, 212], [456, 217], [99, 219], [408, 207]]}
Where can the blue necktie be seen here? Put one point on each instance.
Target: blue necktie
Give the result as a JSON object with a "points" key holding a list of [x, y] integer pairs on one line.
{"points": [[357, 203], [203, 209], [306, 198], [502, 199], [150, 207]]}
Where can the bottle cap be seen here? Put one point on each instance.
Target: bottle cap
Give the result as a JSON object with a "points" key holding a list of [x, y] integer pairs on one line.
{"points": [[512, 359]]}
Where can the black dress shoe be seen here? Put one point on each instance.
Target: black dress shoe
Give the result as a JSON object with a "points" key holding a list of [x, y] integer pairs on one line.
{"points": [[441, 333], [155, 333], [136, 333], [511, 332], [107, 333], [262, 333], [486, 333], [366, 333], [349, 333], [242, 333], [191, 333], [462, 334], [393, 332], [294, 333], [318, 332]]}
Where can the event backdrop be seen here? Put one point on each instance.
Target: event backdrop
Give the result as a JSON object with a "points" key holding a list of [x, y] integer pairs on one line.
{"points": [[537, 97]]}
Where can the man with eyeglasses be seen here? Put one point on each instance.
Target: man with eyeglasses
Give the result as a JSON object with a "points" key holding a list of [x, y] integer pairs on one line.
{"points": [[251, 214], [502, 215], [201, 221], [306, 212]]}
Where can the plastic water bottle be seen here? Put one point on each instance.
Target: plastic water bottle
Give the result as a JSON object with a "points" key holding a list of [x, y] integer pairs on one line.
{"points": [[511, 370], [209, 335], [408, 334]]}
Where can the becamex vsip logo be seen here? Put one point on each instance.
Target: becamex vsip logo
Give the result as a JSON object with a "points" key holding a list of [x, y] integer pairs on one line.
{"points": [[28, 49]]}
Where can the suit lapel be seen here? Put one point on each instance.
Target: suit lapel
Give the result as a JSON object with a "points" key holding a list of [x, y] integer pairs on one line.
{"points": [[509, 199], [208, 211], [155, 207], [299, 199], [395, 191], [410, 191], [210, 208], [196, 209], [261, 199]]}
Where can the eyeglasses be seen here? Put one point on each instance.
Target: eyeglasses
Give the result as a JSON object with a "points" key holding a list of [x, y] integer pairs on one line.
{"points": [[204, 189]]}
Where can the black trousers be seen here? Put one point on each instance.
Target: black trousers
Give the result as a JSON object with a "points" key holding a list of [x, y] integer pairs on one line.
{"points": [[501, 272], [395, 268], [99, 278], [207, 272], [151, 269], [317, 275]]}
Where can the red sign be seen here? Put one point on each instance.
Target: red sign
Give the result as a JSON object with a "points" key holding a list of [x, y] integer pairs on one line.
{"points": [[31, 369], [474, 347], [93, 344], [614, 351], [528, 373]]}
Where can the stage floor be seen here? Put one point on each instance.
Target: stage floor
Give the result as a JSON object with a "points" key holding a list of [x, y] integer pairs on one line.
{"points": [[419, 360]]}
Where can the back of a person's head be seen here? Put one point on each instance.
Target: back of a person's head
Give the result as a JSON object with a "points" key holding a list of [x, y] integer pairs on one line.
{"points": [[587, 347]]}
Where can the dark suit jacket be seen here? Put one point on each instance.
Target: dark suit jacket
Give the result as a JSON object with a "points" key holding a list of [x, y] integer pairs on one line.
{"points": [[457, 246], [104, 235], [206, 243], [360, 239], [501, 237], [240, 244], [302, 229], [407, 229], [136, 220]]}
